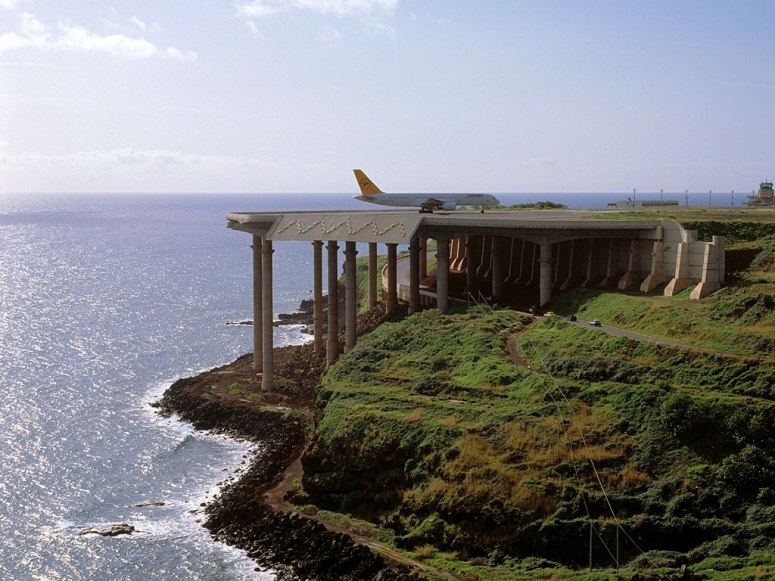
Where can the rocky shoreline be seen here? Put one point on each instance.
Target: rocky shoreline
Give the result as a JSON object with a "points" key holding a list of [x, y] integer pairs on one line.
{"points": [[227, 400]]}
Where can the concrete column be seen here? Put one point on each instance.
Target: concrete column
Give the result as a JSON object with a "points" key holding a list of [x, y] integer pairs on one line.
{"points": [[719, 242], [258, 333], [681, 279], [632, 275], [498, 275], [442, 273], [566, 284], [372, 275], [423, 256], [611, 265], [532, 281], [317, 303], [521, 278], [711, 274], [591, 261], [545, 285], [391, 300], [414, 275], [471, 262], [510, 273], [350, 295], [267, 316], [656, 274], [332, 347]]}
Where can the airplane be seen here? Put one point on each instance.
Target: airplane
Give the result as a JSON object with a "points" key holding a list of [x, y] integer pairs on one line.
{"points": [[426, 202]]}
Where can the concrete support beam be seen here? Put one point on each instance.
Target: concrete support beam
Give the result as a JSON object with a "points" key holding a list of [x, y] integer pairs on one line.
{"points": [[498, 262], [472, 253], [591, 271], [442, 273], [533, 280], [317, 295], [258, 318], [332, 347], [568, 282], [632, 276], [267, 308], [545, 286], [656, 274], [414, 275], [350, 295], [711, 275], [423, 257], [520, 278], [681, 278], [611, 269], [391, 299], [372, 275]]}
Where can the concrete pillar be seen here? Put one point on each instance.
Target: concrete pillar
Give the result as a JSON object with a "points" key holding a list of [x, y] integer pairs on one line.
{"points": [[471, 262], [423, 256], [521, 277], [442, 273], [332, 347], [391, 300], [711, 274], [611, 265], [372, 275], [485, 262], [258, 318], [681, 279], [632, 275], [719, 242], [350, 295], [545, 286], [267, 316], [510, 271], [656, 274], [498, 275], [591, 271], [414, 275], [317, 293], [568, 282], [532, 280]]}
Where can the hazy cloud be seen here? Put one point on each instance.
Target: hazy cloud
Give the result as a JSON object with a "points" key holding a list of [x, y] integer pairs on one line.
{"points": [[32, 33], [9, 4], [144, 26], [125, 157], [330, 35], [259, 8]]}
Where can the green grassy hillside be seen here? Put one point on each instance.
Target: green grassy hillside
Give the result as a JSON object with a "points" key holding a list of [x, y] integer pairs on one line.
{"points": [[502, 447]]}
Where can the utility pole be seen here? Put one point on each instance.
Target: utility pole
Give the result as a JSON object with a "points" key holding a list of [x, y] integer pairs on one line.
{"points": [[686, 198], [660, 194], [710, 197], [733, 197]]}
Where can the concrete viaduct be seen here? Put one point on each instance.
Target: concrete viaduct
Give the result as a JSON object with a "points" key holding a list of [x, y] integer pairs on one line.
{"points": [[515, 258]]}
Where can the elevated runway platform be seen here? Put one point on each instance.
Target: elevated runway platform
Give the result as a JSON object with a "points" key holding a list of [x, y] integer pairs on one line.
{"points": [[514, 257]]}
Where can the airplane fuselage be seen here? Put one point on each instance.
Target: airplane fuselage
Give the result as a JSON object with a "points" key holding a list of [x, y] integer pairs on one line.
{"points": [[439, 201]]}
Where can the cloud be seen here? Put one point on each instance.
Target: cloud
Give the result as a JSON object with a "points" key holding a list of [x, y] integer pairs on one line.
{"points": [[261, 8], [143, 26], [330, 35], [9, 4], [125, 157], [32, 33]]}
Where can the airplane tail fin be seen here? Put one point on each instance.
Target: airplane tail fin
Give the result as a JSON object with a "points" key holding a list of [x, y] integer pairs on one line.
{"points": [[367, 186]]}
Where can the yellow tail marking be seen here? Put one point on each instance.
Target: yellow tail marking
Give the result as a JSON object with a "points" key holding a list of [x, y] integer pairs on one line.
{"points": [[367, 186]]}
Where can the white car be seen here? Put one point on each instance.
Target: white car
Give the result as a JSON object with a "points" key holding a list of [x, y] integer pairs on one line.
{"points": [[595, 322]]}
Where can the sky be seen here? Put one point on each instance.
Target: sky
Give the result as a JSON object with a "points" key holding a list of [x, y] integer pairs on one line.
{"points": [[426, 96]]}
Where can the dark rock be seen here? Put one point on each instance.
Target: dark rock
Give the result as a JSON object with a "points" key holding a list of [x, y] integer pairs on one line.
{"points": [[110, 531]]}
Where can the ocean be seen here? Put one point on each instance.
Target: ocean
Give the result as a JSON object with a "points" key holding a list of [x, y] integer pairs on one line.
{"points": [[105, 300]]}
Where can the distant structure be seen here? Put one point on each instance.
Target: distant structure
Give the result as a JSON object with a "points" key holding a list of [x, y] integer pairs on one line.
{"points": [[764, 197], [631, 204]]}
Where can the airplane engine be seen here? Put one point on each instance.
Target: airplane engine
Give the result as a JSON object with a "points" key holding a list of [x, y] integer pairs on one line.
{"points": [[448, 206]]}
